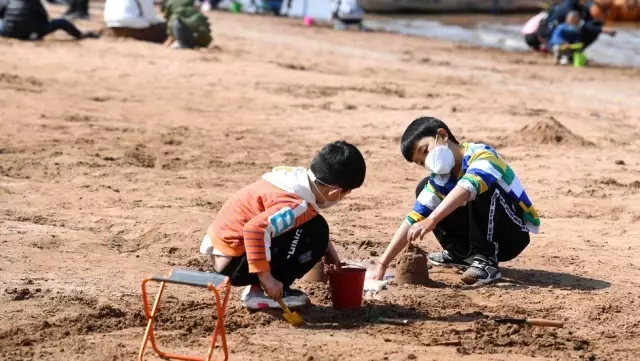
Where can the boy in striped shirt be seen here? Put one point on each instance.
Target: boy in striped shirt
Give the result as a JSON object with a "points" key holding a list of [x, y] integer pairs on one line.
{"points": [[472, 201], [270, 233]]}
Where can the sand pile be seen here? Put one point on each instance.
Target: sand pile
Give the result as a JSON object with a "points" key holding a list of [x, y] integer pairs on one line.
{"points": [[547, 131], [140, 156], [412, 267], [316, 274]]}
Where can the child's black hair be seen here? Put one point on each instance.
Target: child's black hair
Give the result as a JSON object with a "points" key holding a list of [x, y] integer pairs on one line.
{"points": [[419, 129], [340, 164]]}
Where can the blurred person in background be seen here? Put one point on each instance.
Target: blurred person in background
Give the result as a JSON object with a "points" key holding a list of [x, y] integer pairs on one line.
{"points": [[28, 20], [345, 13]]}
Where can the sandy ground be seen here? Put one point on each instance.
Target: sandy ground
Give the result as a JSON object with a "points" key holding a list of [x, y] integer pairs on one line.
{"points": [[115, 156]]}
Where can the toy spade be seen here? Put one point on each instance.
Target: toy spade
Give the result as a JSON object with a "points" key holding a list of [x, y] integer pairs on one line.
{"points": [[530, 321], [292, 317]]}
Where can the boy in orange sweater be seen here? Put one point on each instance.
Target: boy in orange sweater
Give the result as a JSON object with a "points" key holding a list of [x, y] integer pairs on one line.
{"points": [[270, 233]]}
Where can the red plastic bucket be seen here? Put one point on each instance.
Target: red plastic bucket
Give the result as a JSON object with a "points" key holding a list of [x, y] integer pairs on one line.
{"points": [[347, 285]]}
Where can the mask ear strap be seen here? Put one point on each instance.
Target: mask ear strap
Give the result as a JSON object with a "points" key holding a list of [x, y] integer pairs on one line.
{"points": [[311, 175], [446, 139]]}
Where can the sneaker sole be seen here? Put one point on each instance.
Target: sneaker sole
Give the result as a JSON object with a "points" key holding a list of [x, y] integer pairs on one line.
{"points": [[460, 266], [291, 302], [483, 281]]}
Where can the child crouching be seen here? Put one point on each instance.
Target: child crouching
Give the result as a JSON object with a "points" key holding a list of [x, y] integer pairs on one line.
{"points": [[270, 233], [472, 201]]}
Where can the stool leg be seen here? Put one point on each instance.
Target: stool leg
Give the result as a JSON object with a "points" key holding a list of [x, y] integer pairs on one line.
{"points": [[214, 337], [151, 317], [219, 327], [223, 314]]}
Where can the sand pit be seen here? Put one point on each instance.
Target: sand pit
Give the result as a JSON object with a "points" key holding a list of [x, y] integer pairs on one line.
{"points": [[115, 155], [547, 131]]}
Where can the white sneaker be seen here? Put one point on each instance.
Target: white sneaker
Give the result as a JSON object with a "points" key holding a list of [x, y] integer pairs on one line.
{"points": [[253, 298]]}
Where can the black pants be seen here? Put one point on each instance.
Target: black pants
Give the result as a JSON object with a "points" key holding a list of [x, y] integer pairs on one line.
{"points": [[182, 33], [293, 254], [50, 27], [588, 37], [490, 225], [533, 41], [348, 22], [60, 24]]}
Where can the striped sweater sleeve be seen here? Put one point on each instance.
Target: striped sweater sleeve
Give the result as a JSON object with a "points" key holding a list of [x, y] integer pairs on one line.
{"points": [[274, 221], [484, 170], [428, 200]]}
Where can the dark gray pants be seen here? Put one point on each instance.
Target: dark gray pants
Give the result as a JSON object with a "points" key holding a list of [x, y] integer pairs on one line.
{"points": [[293, 254], [182, 34]]}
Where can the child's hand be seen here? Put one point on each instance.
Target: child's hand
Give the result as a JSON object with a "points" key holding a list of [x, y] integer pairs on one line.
{"points": [[421, 229], [271, 286], [380, 271], [331, 258], [331, 262]]}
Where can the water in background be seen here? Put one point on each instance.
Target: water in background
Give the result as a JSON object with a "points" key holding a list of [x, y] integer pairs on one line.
{"points": [[500, 31], [504, 32]]}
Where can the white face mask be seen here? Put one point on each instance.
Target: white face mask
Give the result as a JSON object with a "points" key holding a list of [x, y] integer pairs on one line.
{"points": [[440, 159], [327, 203]]}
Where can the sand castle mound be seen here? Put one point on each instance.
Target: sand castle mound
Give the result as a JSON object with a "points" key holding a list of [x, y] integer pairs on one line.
{"points": [[547, 131], [412, 267]]}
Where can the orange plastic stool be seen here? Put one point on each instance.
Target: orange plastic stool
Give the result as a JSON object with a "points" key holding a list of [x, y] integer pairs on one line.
{"points": [[214, 282]]}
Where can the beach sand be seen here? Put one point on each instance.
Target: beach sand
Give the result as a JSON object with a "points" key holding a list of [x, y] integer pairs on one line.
{"points": [[115, 156]]}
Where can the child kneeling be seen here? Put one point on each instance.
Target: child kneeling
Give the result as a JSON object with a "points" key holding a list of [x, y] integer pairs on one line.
{"points": [[564, 37], [472, 201], [187, 27], [270, 233]]}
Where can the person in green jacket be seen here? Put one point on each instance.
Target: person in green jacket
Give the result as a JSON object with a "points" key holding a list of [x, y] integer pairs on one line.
{"points": [[187, 27]]}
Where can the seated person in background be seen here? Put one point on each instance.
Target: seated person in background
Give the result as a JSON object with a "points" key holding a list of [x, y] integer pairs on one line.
{"points": [[592, 14], [345, 13], [563, 36], [28, 20], [187, 27], [556, 15], [135, 19]]}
